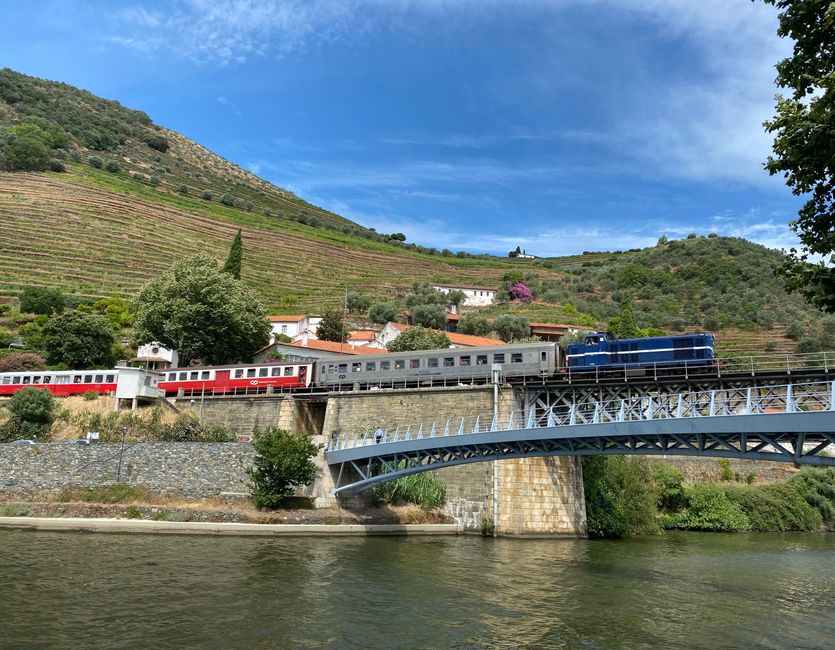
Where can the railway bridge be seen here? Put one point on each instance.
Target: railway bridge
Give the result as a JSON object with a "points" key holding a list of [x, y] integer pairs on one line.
{"points": [[790, 422]]}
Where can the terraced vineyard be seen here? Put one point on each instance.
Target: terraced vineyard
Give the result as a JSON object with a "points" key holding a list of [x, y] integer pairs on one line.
{"points": [[92, 242]]}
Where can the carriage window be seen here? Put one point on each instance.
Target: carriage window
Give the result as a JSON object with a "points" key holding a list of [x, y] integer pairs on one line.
{"points": [[414, 363], [99, 378], [370, 366], [543, 356], [498, 358], [172, 376], [432, 362], [275, 372], [183, 376], [76, 379], [481, 360], [399, 364], [343, 368], [47, 379], [516, 357], [263, 372], [239, 373], [205, 374], [250, 372], [385, 365], [109, 379], [449, 362], [16, 380], [36, 379], [463, 361], [356, 367], [7, 380], [88, 379], [62, 379], [288, 371], [194, 375]]}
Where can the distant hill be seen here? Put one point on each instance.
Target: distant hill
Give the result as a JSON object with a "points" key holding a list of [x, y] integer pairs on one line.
{"points": [[134, 197]]}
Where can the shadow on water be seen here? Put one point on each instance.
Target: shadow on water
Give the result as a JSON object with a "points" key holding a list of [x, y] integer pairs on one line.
{"points": [[675, 590]]}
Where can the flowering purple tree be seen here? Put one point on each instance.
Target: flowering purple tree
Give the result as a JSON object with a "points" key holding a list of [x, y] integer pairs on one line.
{"points": [[520, 292]]}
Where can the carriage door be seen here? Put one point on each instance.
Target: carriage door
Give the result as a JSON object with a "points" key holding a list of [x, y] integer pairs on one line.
{"points": [[543, 363], [303, 375]]}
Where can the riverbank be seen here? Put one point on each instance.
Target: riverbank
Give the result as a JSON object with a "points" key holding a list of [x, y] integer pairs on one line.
{"points": [[214, 528]]}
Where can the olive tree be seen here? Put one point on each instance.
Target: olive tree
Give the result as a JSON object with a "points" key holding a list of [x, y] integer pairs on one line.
{"points": [[202, 312], [418, 338], [510, 327]]}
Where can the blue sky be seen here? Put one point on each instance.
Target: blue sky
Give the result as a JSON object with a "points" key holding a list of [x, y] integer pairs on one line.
{"points": [[559, 126]]}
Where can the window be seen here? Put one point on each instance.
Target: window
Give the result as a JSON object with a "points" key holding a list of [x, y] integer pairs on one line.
{"points": [[76, 379], [64, 379], [239, 373], [16, 380], [498, 358], [449, 362], [284, 329], [385, 365], [356, 367], [400, 364], [276, 372], [36, 379], [543, 356], [464, 361], [172, 376], [370, 366], [99, 378], [263, 372], [47, 379], [516, 357], [432, 362], [250, 372], [7, 380], [88, 379], [205, 374], [414, 363], [109, 379], [194, 375], [183, 376], [288, 371], [481, 360], [343, 368]]}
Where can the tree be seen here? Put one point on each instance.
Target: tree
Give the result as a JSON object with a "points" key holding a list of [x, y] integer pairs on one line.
{"points": [[26, 153], [236, 254], [39, 300], [79, 340], [31, 408], [418, 338], [621, 496], [382, 312], [283, 462], [474, 324], [456, 297], [332, 328], [424, 294], [804, 143], [397, 236], [357, 302], [433, 316], [624, 324], [510, 327], [203, 313], [520, 292]]}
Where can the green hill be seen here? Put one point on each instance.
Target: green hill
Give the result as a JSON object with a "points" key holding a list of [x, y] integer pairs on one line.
{"points": [[115, 198]]}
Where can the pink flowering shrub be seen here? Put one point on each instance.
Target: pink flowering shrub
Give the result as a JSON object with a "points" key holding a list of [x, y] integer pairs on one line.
{"points": [[520, 292]]}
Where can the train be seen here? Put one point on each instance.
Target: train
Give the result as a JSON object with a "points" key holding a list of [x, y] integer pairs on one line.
{"points": [[600, 353]]}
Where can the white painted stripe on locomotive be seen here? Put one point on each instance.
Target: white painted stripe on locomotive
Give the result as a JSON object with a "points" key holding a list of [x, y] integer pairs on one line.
{"points": [[590, 354]]}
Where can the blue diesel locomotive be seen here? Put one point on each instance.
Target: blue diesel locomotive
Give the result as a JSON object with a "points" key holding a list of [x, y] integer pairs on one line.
{"points": [[603, 351]]}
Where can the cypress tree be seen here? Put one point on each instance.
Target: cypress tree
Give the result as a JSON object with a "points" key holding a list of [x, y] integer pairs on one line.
{"points": [[236, 254]]}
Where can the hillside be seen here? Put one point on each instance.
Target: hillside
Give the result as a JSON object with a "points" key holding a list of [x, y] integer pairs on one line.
{"points": [[122, 198]]}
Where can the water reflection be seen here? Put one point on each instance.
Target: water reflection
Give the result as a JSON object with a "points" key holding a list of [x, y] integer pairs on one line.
{"points": [[677, 590]]}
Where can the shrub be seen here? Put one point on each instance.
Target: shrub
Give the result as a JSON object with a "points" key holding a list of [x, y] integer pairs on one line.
{"points": [[40, 300], [113, 167], [725, 472], [157, 142], [132, 512], [774, 507], [187, 429], [56, 165], [520, 292], [817, 487], [207, 195], [620, 496], [227, 199], [14, 510], [668, 480], [26, 153], [96, 162], [115, 493], [20, 361], [183, 189], [32, 409], [418, 338], [283, 462], [90, 395], [709, 508], [155, 180], [424, 489], [357, 302]]}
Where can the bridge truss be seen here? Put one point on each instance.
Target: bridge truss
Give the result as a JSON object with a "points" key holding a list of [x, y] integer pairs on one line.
{"points": [[787, 422]]}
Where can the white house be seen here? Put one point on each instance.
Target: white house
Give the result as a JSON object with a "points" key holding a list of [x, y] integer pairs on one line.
{"points": [[155, 356], [473, 296], [296, 327]]}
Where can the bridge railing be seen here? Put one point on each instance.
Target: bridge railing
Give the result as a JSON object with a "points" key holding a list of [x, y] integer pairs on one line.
{"points": [[789, 398]]}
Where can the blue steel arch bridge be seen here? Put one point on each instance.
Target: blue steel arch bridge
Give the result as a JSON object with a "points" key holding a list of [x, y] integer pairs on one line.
{"points": [[789, 422]]}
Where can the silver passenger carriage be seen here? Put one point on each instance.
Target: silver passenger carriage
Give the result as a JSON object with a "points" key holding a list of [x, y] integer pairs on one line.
{"points": [[447, 367]]}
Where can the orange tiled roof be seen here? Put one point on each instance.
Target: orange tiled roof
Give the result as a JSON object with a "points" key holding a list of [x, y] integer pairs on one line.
{"points": [[458, 339], [554, 325], [333, 346], [463, 286], [285, 319], [362, 335]]}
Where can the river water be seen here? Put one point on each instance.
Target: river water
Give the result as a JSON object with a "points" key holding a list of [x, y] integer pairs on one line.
{"points": [[679, 590]]}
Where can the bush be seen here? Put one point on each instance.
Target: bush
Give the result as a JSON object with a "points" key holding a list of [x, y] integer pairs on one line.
{"points": [[207, 195], [227, 199], [774, 507], [187, 429], [418, 338], [96, 162], [56, 165], [113, 167], [20, 361], [155, 180], [620, 496], [26, 153], [817, 487], [183, 189], [709, 508], [40, 300], [31, 410], [668, 480], [90, 395], [357, 302], [116, 493], [157, 142], [423, 489], [282, 464]]}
